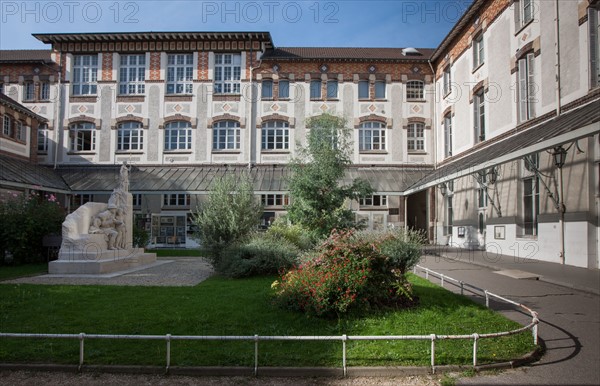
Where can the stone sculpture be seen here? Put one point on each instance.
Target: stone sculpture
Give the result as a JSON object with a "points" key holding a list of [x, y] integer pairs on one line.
{"points": [[97, 237]]}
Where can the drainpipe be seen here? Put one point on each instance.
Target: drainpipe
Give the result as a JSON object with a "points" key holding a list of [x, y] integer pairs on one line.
{"points": [[434, 142], [557, 52], [253, 103], [434, 113], [57, 112], [558, 112]]}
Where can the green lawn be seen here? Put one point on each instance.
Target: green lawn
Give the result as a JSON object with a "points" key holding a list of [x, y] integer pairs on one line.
{"points": [[237, 307], [13, 272]]}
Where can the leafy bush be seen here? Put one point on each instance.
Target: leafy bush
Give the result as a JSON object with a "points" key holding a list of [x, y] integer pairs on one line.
{"points": [[229, 215], [293, 233], [348, 271], [24, 221], [261, 255], [140, 236], [403, 248]]}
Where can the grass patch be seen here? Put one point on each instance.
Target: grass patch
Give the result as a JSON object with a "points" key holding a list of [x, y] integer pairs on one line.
{"points": [[180, 252], [13, 272], [221, 306]]}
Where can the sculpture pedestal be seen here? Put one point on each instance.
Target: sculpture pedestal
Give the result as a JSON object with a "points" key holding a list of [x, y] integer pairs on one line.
{"points": [[100, 262]]}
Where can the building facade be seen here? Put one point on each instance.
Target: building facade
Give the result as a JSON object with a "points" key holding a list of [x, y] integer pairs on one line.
{"points": [[459, 141]]}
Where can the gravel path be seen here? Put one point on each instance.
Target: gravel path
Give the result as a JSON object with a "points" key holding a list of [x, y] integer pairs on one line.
{"points": [[168, 271], [32, 378]]}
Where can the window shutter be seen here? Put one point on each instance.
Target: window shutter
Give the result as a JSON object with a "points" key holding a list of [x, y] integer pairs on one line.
{"points": [[476, 116], [531, 86], [594, 47], [517, 9], [522, 90]]}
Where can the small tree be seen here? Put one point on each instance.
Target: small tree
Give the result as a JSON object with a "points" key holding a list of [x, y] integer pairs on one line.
{"points": [[24, 221], [229, 215], [318, 199]]}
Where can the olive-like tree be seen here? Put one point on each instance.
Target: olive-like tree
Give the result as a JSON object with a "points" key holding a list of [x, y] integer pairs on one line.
{"points": [[318, 192], [230, 214]]}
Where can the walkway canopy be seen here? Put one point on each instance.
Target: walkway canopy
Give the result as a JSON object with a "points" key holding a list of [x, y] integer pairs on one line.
{"points": [[578, 123]]}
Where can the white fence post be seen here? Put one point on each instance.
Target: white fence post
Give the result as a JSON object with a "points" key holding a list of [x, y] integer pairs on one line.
{"points": [[81, 338], [168, 338], [487, 299], [475, 338], [433, 337], [344, 338], [255, 355]]}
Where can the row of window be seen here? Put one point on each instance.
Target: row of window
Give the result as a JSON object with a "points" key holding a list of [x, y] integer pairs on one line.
{"points": [[226, 136], [13, 128], [179, 74], [227, 76], [271, 199], [414, 89]]}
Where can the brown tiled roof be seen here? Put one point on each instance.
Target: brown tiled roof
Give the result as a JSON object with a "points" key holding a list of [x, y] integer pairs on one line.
{"points": [[150, 36], [21, 56], [344, 53], [7, 101]]}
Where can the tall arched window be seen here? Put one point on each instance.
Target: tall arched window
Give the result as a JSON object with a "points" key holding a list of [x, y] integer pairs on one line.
{"points": [[275, 135], [226, 135], [83, 136], [130, 136], [371, 136], [178, 135]]}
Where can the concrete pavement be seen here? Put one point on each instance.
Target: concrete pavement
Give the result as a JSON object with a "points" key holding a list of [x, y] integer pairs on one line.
{"points": [[569, 313]]}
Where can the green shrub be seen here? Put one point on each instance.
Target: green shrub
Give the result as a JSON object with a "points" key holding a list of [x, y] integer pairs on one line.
{"points": [[403, 248], [293, 233], [261, 255], [24, 221], [350, 271], [229, 215], [140, 236]]}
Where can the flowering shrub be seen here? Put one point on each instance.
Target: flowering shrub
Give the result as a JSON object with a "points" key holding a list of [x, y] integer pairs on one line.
{"points": [[24, 220], [347, 271]]}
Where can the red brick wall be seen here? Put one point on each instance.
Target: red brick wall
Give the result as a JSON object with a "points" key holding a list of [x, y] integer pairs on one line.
{"points": [[155, 66], [203, 65], [16, 70], [107, 64]]}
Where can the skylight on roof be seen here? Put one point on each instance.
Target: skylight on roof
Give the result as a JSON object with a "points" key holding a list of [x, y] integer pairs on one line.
{"points": [[410, 51]]}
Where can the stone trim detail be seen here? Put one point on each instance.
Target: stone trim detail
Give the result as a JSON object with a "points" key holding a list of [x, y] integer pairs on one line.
{"points": [[178, 98], [131, 98], [276, 117], [83, 118], [177, 117], [448, 110], [83, 99], [129, 118], [226, 117], [373, 118], [483, 84], [226, 97]]}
